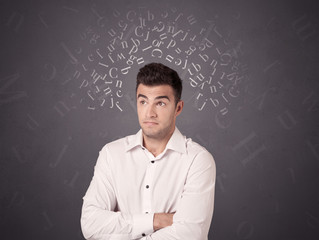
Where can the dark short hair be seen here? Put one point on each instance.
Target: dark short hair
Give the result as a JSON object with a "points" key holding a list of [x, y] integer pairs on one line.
{"points": [[154, 74]]}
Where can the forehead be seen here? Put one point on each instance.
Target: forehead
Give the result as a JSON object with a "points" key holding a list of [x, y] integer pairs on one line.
{"points": [[154, 91]]}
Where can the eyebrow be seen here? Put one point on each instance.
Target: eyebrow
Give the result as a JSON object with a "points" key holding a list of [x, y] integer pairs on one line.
{"points": [[158, 97]]}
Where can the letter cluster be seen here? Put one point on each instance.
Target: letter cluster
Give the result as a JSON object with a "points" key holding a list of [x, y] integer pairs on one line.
{"points": [[207, 61]]}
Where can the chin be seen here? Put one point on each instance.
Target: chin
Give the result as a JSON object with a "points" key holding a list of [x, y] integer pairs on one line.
{"points": [[151, 133]]}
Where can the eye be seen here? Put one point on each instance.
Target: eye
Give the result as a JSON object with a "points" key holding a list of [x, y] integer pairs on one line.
{"points": [[161, 104], [142, 102]]}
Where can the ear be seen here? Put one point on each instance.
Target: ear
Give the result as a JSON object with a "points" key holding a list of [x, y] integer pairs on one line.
{"points": [[179, 107]]}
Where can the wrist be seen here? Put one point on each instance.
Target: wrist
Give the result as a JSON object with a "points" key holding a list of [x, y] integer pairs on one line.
{"points": [[162, 220]]}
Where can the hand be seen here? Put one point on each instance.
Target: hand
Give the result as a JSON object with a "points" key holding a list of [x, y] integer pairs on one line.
{"points": [[162, 220]]}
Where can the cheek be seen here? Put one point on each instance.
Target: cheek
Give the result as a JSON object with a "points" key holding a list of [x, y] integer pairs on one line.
{"points": [[141, 112], [167, 116]]}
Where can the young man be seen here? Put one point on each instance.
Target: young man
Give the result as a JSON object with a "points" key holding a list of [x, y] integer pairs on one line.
{"points": [[155, 184]]}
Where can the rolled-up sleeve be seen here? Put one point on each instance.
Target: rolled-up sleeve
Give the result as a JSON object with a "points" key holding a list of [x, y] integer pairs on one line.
{"points": [[99, 220], [195, 209]]}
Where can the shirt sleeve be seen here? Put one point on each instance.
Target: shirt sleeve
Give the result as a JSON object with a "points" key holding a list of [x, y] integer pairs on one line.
{"points": [[99, 220], [195, 209]]}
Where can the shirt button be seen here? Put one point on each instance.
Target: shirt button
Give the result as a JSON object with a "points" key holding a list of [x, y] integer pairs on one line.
{"points": [[146, 212], [147, 186], [143, 234], [152, 161]]}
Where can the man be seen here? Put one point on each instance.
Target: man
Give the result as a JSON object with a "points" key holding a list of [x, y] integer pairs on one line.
{"points": [[156, 184]]}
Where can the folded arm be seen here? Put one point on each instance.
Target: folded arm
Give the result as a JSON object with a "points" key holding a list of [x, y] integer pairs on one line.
{"points": [[99, 220], [195, 208]]}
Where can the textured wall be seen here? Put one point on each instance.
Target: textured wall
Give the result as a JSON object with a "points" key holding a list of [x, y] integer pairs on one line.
{"points": [[250, 75]]}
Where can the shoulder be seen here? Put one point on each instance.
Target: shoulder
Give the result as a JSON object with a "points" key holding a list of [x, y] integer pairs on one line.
{"points": [[118, 145], [199, 153], [194, 147]]}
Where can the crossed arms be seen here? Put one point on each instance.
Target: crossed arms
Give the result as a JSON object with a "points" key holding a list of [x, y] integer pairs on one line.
{"points": [[190, 221]]}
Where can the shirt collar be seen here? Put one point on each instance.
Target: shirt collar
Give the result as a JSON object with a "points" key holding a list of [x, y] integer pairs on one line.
{"points": [[135, 140], [177, 142]]}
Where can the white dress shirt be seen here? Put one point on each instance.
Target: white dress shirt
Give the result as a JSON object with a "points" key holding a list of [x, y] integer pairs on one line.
{"points": [[130, 185]]}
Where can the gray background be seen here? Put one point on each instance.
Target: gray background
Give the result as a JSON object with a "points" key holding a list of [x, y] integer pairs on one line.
{"points": [[251, 95]]}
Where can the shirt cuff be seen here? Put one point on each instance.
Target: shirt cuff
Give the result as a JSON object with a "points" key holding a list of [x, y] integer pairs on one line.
{"points": [[142, 225]]}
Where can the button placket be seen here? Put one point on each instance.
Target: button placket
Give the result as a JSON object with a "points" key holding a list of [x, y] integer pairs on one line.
{"points": [[149, 178]]}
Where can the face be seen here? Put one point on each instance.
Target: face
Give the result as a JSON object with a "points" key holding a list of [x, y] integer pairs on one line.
{"points": [[157, 111]]}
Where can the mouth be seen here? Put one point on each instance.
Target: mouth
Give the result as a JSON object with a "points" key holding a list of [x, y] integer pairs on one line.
{"points": [[150, 123]]}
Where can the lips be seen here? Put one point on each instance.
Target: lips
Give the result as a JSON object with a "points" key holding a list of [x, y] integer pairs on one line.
{"points": [[149, 123]]}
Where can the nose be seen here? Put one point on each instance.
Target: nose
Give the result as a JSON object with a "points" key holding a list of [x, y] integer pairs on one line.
{"points": [[151, 111]]}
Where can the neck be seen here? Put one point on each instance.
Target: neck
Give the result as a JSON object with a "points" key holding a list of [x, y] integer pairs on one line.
{"points": [[156, 146]]}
